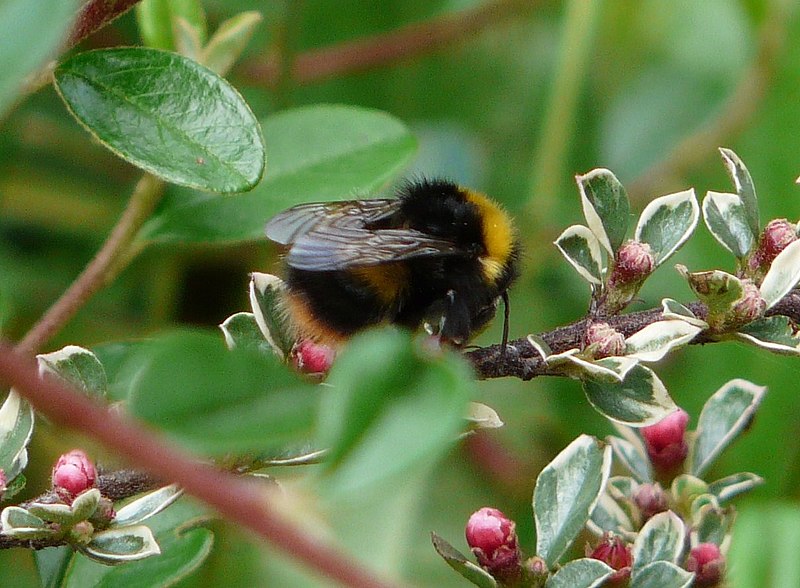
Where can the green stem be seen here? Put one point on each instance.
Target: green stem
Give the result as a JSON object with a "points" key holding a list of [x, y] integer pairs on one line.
{"points": [[101, 269]]}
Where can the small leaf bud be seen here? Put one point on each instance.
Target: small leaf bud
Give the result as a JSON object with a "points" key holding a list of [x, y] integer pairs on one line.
{"points": [[651, 500], [309, 357], [74, 472], [666, 441], [602, 340], [615, 553], [493, 539], [81, 533], [708, 564]]}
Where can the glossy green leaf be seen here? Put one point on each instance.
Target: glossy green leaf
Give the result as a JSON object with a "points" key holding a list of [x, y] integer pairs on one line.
{"points": [[662, 574], [640, 400], [782, 276], [744, 187], [167, 115], [605, 207], [266, 300], [632, 458], [725, 415], [667, 222], [30, 33], [51, 564], [217, 401], [726, 219], [731, 486], [775, 333], [229, 40], [16, 428], [458, 561], [156, 20], [183, 546], [660, 539], [566, 492], [315, 153], [78, 367], [582, 250], [389, 410], [657, 339], [580, 573]]}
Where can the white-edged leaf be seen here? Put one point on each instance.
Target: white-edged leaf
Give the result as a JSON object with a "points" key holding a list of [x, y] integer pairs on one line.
{"points": [[146, 506], [582, 250], [774, 333], [638, 401], [605, 207], [541, 347], [15, 517], [659, 338], [608, 515], [608, 369], [85, 503], [580, 573], [566, 492], [16, 428], [726, 414], [744, 187], [726, 219], [711, 525], [672, 309], [265, 299], [241, 330], [632, 458], [456, 560], [662, 574], [78, 367], [481, 416], [782, 276], [660, 539], [54, 512], [718, 289], [122, 544], [667, 222], [731, 486]]}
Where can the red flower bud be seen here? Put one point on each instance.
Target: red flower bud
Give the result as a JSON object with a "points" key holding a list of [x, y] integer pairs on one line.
{"points": [[634, 262], [493, 539], [604, 340], [708, 564], [309, 357], [777, 235], [666, 441], [651, 500], [74, 472], [751, 305], [615, 553]]}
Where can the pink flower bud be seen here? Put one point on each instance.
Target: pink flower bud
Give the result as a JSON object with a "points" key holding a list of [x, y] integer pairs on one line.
{"points": [[3, 481], [309, 357], [615, 553], [493, 539], [74, 472], [666, 441], [604, 340], [651, 500], [751, 305], [777, 235], [634, 262], [708, 564]]}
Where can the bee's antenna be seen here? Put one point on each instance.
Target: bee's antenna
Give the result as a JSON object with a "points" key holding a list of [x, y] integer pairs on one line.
{"points": [[506, 313]]}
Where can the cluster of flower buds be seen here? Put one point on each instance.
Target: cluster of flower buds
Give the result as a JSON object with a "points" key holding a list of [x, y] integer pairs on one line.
{"points": [[492, 538], [603, 340], [666, 442]]}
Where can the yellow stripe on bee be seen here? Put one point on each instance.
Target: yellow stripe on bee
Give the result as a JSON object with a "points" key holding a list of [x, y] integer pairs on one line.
{"points": [[498, 234], [387, 280]]}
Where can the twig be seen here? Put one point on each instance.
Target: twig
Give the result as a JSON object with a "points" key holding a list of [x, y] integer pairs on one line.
{"points": [[241, 501], [99, 270]]}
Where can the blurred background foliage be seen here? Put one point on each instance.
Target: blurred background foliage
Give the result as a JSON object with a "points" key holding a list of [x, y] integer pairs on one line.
{"points": [[510, 97]]}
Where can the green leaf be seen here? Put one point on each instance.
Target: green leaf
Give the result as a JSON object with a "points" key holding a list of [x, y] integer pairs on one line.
{"points": [[672, 309], [156, 19], [582, 250], [146, 506], [16, 518], [657, 339], [217, 401], [726, 219], [78, 367], [638, 401], [30, 33], [608, 515], [183, 546], [266, 299], [711, 525], [725, 415], [667, 222], [731, 486], [51, 563], [605, 206], [391, 410], [580, 573], [775, 333], [744, 187], [316, 153], [229, 40], [607, 369], [241, 330], [458, 561], [719, 290], [782, 276], [662, 574], [166, 114], [661, 539], [16, 428], [632, 458], [566, 492], [121, 545]]}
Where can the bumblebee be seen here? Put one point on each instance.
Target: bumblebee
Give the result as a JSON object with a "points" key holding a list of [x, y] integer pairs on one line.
{"points": [[437, 256]]}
